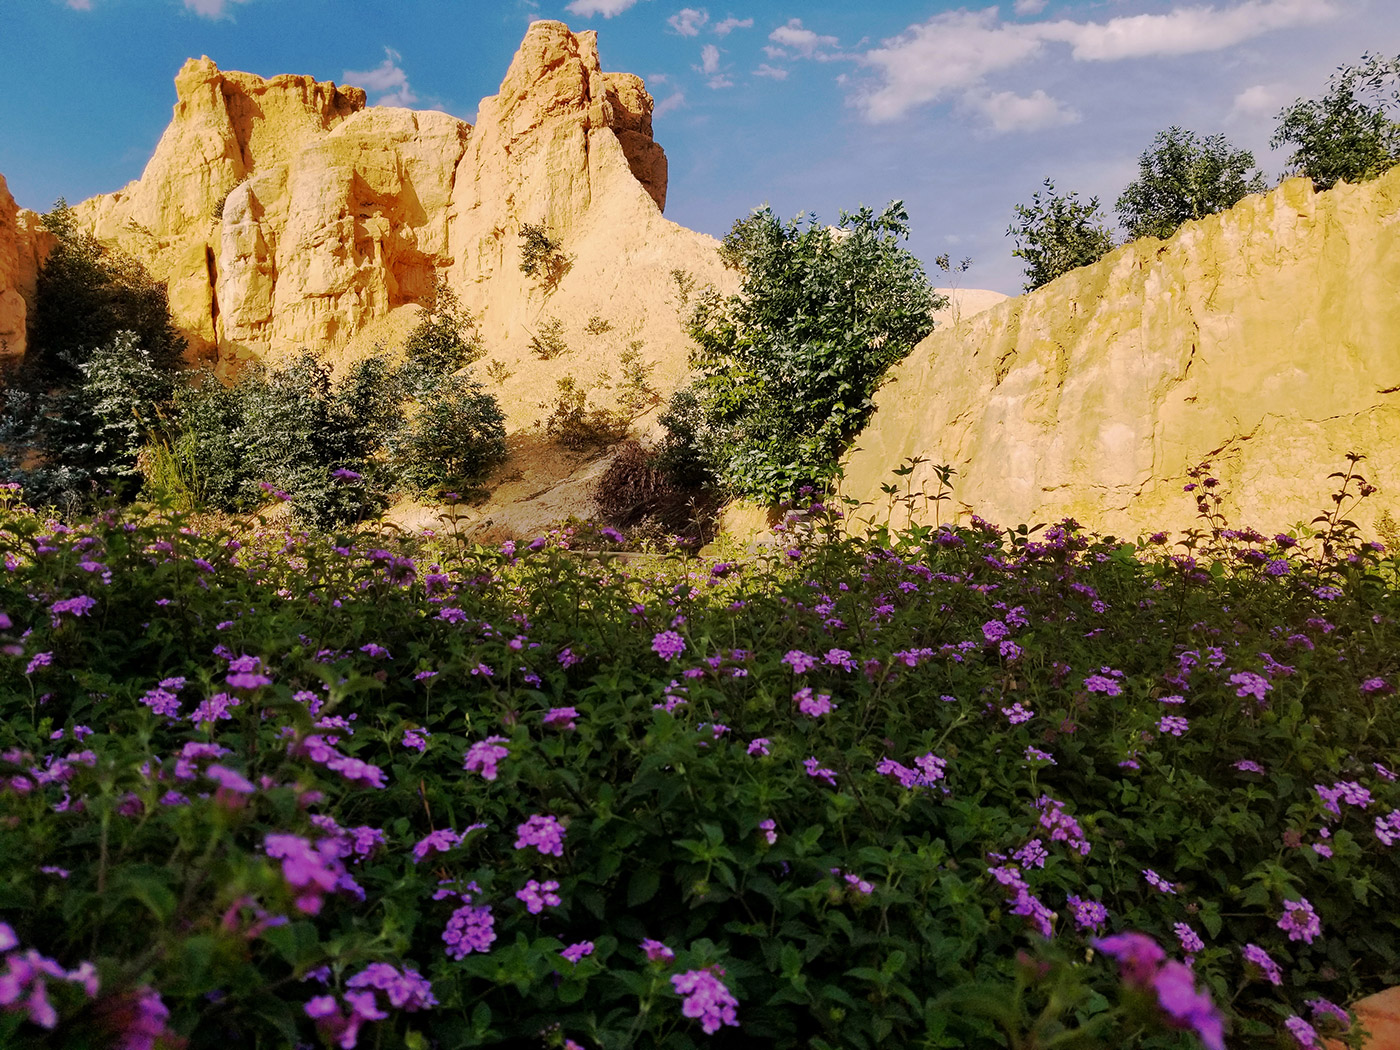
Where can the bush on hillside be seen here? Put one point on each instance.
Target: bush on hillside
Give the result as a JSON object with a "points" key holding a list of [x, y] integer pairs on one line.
{"points": [[1184, 177], [1350, 134], [1056, 234], [789, 364]]}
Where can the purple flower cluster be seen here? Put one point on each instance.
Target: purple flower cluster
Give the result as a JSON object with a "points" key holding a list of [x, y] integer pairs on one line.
{"points": [[706, 999], [539, 895], [25, 978], [1062, 827], [668, 645], [471, 928], [813, 706], [1299, 921], [483, 756], [543, 832], [1143, 964]]}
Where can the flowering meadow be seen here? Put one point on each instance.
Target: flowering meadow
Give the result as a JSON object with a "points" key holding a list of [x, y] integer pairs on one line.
{"points": [[954, 787]]}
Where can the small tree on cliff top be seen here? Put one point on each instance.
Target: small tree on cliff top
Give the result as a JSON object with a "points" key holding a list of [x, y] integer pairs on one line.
{"points": [[1183, 177], [1056, 234], [1350, 134]]}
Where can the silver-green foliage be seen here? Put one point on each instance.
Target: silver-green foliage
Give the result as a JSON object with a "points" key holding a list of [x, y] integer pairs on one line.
{"points": [[1181, 177], [1350, 134]]}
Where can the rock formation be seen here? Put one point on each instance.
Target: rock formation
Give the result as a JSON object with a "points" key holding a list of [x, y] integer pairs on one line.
{"points": [[1265, 340], [23, 245], [283, 213]]}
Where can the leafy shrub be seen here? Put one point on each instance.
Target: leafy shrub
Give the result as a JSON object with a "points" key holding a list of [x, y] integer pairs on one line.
{"points": [[85, 295], [1058, 234], [548, 343], [1182, 177], [788, 366], [868, 793], [598, 325], [635, 391], [455, 434], [444, 340], [1350, 134], [541, 257], [576, 425], [498, 371]]}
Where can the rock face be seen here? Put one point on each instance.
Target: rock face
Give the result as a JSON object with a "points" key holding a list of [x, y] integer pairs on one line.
{"points": [[1265, 340], [23, 245], [282, 213]]}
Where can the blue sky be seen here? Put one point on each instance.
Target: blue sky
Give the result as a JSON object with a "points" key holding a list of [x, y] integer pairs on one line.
{"points": [[961, 110]]}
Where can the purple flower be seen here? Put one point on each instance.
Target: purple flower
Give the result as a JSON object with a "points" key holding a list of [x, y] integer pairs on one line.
{"points": [[668, 645], [814, 707], [1137, 954], [1158, 883], [1191, 942], [483, 756], [799, 661], [1369, 687], [759, 746], [79, 606], [561, 718], [470, 929], [1299, 921], [1173, 724], [40, 660], [995, 630], [814, 769], [1246, 765], [545, 833], [314, 870], [1034, 754], [706, 999], [408, 990], [1388, 827], [538, 895], [1186, 1007], [1088, 915], [345, 475], [1016, 713], [840, 658], [229, 780], [1260, 958], [656, 951], [1097, 683], [575, 952], [1250, 684], [439, 841], [416, 739], [1303, 1032], [769, 829]]}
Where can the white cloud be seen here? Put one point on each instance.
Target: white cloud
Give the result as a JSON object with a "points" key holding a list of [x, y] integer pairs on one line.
{"points": [[806, 42], [606, 8], [1030, 7], [386, 81], [709, 60], [947, 53], [1259, 100], [1008, 111], [667, 104], [80, 5], [205, 8], [774, 52], [687, 21], [1185, 30], [720, 81], [765, 70], [953, 52], [730, 24]]}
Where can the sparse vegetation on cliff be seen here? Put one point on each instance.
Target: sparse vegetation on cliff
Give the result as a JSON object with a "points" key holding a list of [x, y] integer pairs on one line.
{"points": [[1058, 233], [1350, 134], [1183, 176]]}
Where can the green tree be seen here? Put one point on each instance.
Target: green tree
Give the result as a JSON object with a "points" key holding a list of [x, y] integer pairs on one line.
{"points": [[445, 339], [1350, 134], [86, 294], [1183, 177], [1056, 234], [788, 365]]}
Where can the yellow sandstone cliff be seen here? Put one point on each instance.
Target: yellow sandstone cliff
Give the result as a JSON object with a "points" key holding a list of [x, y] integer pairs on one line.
{"points": [[1265, 340], [23, 245], [285, 214]]}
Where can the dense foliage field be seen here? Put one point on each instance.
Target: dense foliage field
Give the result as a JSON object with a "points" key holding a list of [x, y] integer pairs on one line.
{"points": [[954, 787]]}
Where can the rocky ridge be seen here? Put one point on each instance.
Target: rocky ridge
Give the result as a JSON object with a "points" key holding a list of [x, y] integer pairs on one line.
{"points": [[1263, 340]]}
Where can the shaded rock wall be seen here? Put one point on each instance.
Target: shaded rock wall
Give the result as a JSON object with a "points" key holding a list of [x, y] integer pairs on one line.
{"points": [[23, 245]]}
